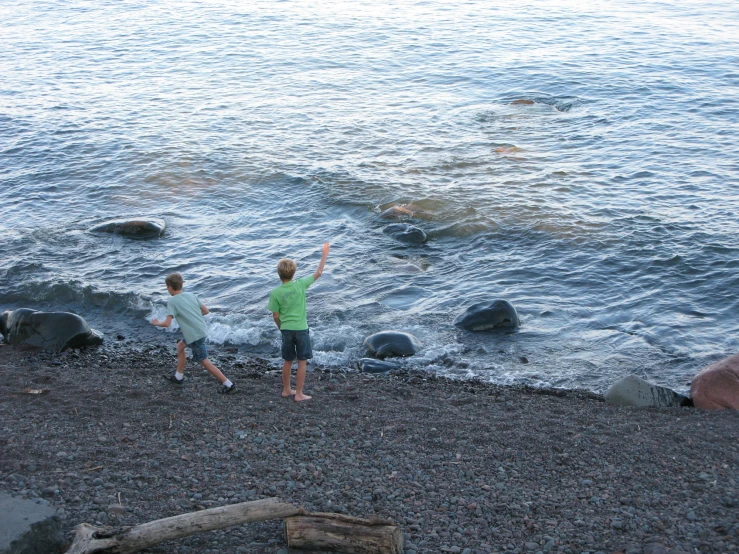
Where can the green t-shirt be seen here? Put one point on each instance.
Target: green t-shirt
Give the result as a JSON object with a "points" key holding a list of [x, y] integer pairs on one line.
{"points": [[289, 301], [185, 308]]}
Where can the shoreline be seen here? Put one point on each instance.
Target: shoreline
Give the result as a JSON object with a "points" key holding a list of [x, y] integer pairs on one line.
{"points": [[460, 466]]}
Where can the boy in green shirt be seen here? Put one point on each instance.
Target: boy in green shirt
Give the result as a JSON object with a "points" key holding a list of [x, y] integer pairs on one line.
{"points": [[189, 311], [287, 304]]}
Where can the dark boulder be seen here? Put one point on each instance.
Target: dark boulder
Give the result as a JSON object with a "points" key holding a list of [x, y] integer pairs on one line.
{"points": [[484, 316], [132, 228], [386, 344], [49, 330], [405, 232]]}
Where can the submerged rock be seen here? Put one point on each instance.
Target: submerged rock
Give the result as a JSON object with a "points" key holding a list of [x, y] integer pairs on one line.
{"points": [[405, 232], [386, 344], [485, 316], [49, 330], [133, 228], [371, 365], [397, 212], [635, 391], [716, 387]]}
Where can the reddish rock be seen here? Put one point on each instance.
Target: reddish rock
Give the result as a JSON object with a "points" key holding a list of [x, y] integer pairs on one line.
{"points": [[716, 387]]}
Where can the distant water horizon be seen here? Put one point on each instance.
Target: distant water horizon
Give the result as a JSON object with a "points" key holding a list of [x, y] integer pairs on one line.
{"points": [[580, 161]]}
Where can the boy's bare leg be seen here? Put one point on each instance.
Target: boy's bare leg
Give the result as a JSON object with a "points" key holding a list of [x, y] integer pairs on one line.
{"points": [[181, 358], [213, 370], [299, 381], [287, 367]]}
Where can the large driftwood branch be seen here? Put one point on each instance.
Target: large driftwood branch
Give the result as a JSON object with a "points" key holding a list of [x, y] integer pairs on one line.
{"points": [[90, 540], [340, 533]]}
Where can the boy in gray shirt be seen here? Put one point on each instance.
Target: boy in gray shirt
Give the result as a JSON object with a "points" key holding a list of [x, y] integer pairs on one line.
{"points": [[189, 311]]}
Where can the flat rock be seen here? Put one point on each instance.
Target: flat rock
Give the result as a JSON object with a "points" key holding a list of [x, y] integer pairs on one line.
{"points": [[133, 228], [716, 387], [371, 365], [386, 344], [27, 527], [635, 391]]}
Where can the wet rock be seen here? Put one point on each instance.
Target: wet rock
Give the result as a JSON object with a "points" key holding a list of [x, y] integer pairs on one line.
{"points": [[485, 316], [49, 330], [371, 365], [405, 232], [635, 391], [716, 387], [386, 344], [132, 228], [397, 212]]}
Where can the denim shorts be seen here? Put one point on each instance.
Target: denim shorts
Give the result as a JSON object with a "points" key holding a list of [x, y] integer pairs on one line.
{"points": [[199, 350], [296, 344]]}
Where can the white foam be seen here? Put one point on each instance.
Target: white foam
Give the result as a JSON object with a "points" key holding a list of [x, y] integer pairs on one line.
{"points": [[160, 313], [220, 332]]}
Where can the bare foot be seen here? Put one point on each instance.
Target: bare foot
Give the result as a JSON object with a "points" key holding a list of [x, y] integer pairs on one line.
{"points": [[302, 397], [288, 394]]}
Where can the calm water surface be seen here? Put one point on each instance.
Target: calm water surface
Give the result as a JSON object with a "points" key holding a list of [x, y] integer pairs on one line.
{"points": [[604, 206]]}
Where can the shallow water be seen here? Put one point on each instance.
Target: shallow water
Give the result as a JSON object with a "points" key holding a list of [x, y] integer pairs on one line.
{"points": [[579, 161]]}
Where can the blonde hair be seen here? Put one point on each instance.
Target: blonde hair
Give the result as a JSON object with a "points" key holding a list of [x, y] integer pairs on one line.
{"points": [[286, 269], [175, 281]]}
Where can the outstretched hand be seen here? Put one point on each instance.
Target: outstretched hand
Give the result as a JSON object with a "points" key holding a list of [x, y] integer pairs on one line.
{"points": [[326, 248]]}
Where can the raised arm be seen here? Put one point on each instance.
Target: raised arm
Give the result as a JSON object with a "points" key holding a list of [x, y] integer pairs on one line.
{"points": [[324, 255], [163, 323]]}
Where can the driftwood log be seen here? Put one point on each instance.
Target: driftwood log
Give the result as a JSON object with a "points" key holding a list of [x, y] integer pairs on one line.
{"points": [[89, 539], [340, 533]]}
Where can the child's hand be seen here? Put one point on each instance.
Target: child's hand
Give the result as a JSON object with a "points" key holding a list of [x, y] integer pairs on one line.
{"points": [[326, 248], [156, 322]]}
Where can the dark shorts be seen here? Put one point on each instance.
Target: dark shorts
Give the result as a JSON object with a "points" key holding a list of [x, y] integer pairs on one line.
{"points": [[199, 350], [296, 344]]}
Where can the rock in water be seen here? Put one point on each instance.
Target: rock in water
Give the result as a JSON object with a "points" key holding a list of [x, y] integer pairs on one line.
{"points": [[405, 232], [49, 330], [132, 228], [635, 391], [716, 387], [371, 365], [386, 344], [484, 316]]}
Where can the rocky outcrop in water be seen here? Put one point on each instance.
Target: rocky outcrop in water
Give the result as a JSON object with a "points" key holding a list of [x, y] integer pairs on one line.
{"points": [[485, 316], [48, 330], [386, 344], [405, 232], [635, 391], [716, 387], [132, 228]]}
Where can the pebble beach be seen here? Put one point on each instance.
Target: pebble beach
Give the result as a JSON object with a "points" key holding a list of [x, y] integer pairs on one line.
{"points": [[461, 466]]}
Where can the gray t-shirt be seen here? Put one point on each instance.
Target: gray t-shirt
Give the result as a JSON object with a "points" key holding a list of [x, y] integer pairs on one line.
{"points": [[185, 308]]}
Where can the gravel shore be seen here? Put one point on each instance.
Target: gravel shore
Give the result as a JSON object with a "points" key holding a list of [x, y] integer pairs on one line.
{"points": [[461, 466]]}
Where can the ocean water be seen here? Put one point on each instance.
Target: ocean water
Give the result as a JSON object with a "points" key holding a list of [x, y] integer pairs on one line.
{"points": [[579, 159]]}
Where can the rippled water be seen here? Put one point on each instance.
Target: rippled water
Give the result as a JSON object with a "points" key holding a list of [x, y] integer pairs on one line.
{"points": [[578, 160]]}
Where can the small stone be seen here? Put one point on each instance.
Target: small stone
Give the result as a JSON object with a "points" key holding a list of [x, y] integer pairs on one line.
{"points": [[117, 509]]}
